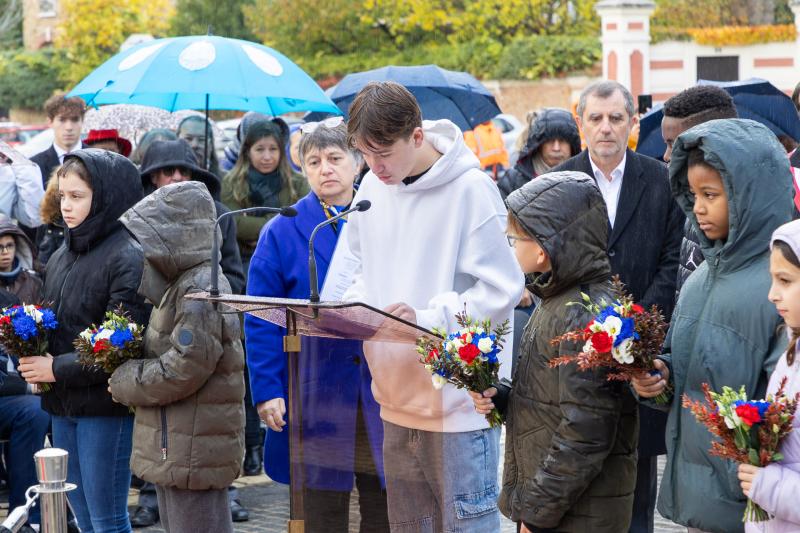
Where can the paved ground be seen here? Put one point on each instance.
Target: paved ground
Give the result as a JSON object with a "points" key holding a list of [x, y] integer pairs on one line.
{"points": [[268, 503]]}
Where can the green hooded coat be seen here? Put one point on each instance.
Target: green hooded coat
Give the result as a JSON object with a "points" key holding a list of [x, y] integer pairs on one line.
{"points": [[723, 328]]}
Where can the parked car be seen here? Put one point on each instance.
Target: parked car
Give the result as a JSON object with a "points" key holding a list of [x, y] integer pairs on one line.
{"points": [[17, 134]]}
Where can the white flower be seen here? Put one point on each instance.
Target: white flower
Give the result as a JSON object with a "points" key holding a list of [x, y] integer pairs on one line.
{"points": [[133, 327], [485, 345], [732, 420], [103, 334], [86, 335], [622, 353], [478, 331], [438, 381], [32, 312], [612, 325], [596, 327], [468, 338], [456, 344]]}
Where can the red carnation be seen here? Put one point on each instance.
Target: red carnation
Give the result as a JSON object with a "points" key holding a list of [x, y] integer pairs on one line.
{"points": [[748, 413], [588, 328], [5, 319], [100, 346], [432, 355], [602, 342], [638, 309], [468, 353]]}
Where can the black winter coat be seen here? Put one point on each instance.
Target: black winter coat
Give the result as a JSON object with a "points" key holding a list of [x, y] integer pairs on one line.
{"points": [[643, 248], [99, 268], [551, 123], [570, 457]]}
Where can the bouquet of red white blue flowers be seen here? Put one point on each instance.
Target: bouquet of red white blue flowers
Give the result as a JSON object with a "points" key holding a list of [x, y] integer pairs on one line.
{"points": [[466, 358], [623, 337], [749, 431], [23, 332], [115, 341]]}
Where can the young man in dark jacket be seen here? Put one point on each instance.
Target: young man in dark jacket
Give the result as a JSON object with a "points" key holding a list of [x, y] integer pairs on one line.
{"points": [[188, 392], [570, 461]]}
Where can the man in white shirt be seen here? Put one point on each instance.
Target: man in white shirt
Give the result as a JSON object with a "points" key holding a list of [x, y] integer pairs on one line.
{"points": [[65, 117], [646, 227]]}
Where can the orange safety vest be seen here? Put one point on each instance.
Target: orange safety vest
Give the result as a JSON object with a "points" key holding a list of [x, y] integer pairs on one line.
{"points": [[486, 142]]}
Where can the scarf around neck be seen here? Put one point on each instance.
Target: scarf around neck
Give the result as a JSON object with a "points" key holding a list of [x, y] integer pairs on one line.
{"points": [[265, 189]]}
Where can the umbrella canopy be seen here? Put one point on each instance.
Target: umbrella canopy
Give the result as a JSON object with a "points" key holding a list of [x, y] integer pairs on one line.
{"points": [[441, 93], [204, 72], [132, 121], [755, 99]]}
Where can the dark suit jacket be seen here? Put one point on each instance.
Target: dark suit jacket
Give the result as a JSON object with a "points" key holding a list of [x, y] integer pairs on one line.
{"points": [[47, 161], [643, 248]]}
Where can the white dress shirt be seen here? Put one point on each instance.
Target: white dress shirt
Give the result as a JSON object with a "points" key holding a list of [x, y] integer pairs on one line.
{"points": [[60, 152], [610, 188]]}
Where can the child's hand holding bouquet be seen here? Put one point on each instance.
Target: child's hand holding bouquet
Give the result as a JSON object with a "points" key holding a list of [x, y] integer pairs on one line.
{"points": [[750, 432], [466, 358], [23, 334]]}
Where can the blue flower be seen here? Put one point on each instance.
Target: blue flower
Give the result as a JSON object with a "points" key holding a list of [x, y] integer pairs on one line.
{"points": [[24, 327], [627, 331], [120, 337], [762, 407], [49, 319], [605, 313]]}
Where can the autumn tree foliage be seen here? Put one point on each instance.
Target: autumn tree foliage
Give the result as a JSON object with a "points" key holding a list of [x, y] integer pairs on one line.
{"points": [[91, 31]]}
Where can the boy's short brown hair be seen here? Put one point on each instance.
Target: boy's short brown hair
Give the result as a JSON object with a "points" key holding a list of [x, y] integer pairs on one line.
{"points": [[58, 104], [382, 113]]}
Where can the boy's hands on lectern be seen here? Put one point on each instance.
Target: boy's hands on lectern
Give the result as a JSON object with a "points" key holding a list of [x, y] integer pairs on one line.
{"points": [[404, 311]]}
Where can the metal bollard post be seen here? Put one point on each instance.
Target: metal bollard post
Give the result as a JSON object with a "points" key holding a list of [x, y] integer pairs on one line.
{"points": [[51, 469]]}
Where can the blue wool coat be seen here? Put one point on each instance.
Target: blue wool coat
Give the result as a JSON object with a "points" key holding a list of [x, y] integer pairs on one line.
{"points": [[334, 376]]}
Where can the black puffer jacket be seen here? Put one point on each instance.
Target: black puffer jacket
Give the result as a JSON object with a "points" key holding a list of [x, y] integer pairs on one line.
{"points": [[551, 123], [570, 459], [691, 256], [99, 268]]}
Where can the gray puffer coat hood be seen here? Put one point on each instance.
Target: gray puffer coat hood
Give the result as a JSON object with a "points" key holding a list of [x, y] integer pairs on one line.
{"points": [[189, 391]]}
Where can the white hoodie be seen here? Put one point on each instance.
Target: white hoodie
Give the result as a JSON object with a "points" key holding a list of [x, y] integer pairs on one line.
{"points": [[435, 245]]}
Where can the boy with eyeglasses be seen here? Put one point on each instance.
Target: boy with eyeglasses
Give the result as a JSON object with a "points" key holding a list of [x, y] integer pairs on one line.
{"points": [[17, 263]]}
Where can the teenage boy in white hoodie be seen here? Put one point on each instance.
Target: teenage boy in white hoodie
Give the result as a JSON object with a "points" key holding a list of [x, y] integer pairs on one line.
{"points": [[432, 242]]}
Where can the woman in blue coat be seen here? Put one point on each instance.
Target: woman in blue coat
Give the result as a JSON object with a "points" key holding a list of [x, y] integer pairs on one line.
{"points": [[342, 430]]}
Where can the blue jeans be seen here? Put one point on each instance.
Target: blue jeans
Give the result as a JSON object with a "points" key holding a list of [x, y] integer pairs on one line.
{"points": [[99, 454], [24, 424], [441, 482]]}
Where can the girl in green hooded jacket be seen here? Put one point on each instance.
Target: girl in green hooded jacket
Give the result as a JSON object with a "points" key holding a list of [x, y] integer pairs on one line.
{"points": [[731, 178]]}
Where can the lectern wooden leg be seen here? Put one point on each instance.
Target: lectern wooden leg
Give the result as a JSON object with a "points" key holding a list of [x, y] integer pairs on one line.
{"points": [[291, 345]]}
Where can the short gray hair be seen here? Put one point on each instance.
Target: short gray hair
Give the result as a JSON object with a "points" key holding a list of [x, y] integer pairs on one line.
{"points": [[604, 89], [324, 137]]}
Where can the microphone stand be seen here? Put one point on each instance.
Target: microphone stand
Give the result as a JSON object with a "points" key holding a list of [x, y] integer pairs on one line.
{"points": [[285, 211], [313, 280]]}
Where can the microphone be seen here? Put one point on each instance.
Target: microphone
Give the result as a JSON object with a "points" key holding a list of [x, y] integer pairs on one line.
{"points": [[313, 280], [285, 211]]}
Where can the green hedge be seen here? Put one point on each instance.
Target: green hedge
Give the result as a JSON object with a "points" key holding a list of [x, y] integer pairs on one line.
{"points": [[525, 58], [29, 78]]}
